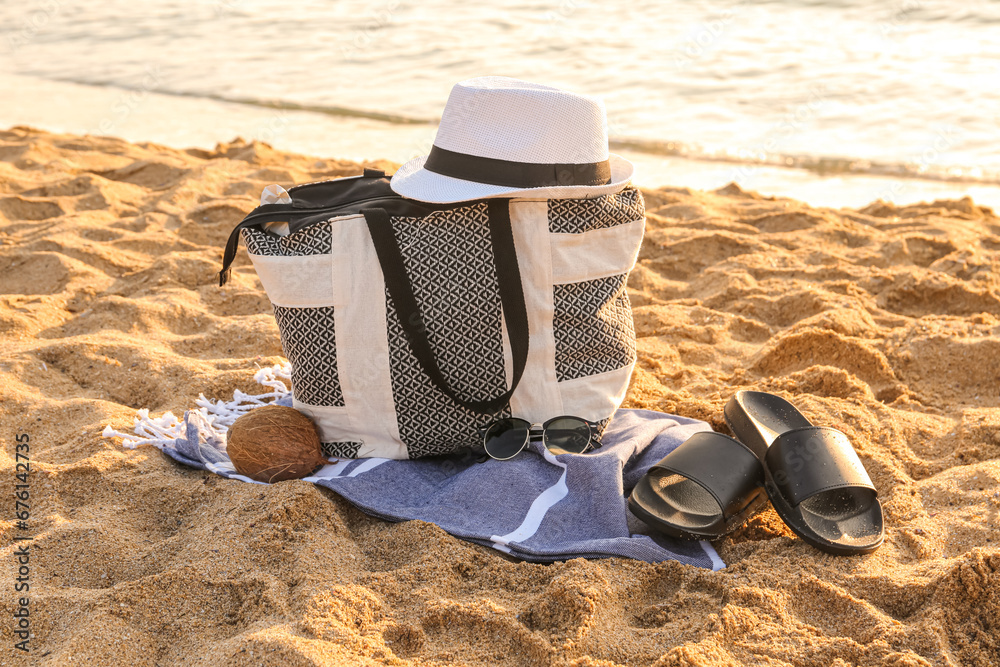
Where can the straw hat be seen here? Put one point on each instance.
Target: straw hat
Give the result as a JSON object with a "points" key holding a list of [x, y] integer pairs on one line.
{"points": [[501, 137]]}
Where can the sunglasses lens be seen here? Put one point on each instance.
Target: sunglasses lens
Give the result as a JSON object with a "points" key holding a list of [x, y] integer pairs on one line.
{"points": [[506, 437], [567, 435]]}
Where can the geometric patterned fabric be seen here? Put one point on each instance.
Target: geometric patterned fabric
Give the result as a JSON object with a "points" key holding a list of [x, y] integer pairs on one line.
{"points": [[448, 257], [593, 326]]}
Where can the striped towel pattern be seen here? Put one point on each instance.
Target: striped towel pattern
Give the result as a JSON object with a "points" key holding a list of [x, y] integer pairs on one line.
{"points": [[537, 506]]}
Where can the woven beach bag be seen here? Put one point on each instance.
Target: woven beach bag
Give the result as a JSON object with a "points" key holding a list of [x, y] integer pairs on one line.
{"points": [[408, 325]]}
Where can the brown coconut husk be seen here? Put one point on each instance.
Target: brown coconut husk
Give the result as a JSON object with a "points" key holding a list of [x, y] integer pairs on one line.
{"points": [[274, 443]]}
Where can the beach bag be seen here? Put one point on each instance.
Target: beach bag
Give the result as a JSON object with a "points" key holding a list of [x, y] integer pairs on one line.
{"points": [[409, 325]]}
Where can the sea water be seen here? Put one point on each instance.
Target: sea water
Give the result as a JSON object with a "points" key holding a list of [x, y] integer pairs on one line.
{"points": [[837, 102]]}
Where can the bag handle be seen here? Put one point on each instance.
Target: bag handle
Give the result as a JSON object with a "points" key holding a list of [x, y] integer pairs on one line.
{"points": [[408, 311]]}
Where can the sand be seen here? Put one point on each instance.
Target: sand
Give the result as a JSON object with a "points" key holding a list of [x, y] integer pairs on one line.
{"points": [[883, 322]]}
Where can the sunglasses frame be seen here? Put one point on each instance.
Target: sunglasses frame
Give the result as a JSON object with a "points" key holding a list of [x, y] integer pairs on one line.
{"points": [[532, 430]]}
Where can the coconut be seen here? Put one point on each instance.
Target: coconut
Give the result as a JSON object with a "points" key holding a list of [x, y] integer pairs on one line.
{"points": [[274, 443]]}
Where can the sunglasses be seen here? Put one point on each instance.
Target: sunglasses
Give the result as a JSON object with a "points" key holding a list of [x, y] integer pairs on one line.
{"points": [[505, 438]]}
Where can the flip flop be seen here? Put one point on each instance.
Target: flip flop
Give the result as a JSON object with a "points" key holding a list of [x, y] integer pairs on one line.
{"points": [[812, 474], [705, 488]]}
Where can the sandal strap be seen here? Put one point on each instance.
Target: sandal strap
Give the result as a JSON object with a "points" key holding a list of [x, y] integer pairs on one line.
{"points": [[725, 467], [807, 461]]}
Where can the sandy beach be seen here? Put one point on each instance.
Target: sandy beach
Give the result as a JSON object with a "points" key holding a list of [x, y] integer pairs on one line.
{"points": [[882, 321]]}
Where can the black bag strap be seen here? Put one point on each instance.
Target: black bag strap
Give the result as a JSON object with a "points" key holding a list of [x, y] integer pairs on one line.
{"points": [[310, 203], [400, 289]]}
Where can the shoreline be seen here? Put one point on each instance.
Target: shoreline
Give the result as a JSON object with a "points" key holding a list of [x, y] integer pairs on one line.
{"points": [[880, 320], [144, 113]]}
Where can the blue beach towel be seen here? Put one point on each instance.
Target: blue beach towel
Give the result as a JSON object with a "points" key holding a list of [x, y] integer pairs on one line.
{"points": [[537, 506]]}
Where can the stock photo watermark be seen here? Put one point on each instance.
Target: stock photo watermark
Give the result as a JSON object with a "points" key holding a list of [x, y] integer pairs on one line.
{"points": [[130, 100], [565, 9], [224, 7], [271, 128], [790, 125], [22, 544], [34, 19], [364, 37], [945, 138], [707, 36], [555, 19], [900, 16]]}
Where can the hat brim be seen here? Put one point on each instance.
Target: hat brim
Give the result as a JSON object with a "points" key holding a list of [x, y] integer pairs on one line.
{"points": [[414, 182]]}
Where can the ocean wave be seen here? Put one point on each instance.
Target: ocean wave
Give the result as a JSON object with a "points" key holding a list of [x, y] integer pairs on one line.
{"points": [[821, 165]]}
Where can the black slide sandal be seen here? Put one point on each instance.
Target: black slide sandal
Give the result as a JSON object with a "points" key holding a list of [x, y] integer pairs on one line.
{"points": [[707, 487], [812, 474]]}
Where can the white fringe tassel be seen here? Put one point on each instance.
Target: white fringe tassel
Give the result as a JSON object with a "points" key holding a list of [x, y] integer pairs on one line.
{"points": [[161, 431]]}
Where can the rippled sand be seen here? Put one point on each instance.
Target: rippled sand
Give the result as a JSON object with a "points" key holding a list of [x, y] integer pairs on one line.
{"points": [[883, 322]]}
